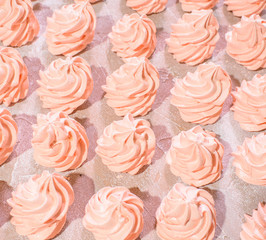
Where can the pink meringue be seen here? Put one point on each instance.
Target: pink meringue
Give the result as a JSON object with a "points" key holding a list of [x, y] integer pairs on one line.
{"points": [[186, 213], [114, 213], [247, 42], [18, 24], [65, 85], [132, 88], [70, 29], [133, 36], [8, 134], [91, 1], [59, 142], [249, 104], [127, 145], [245, 7], [14, 81], [190, 5], [200, 96], [255, 226], [250, 160], [196, 156], [194, 37], [147, 6], [39, 206]]}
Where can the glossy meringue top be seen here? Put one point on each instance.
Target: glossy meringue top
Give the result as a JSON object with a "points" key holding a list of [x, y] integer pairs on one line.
{"points": [[40, 205], [59, 142], [18, 24], [114, 213], [249, 160], [127, 145], [133, 36], [132, 88], [247, 42], [147, 6], [66, 84], [71, 28], [200, 96], [190, 5], [249, 104], [194, 37], [196, 156], [14, 81], [186, 213]]}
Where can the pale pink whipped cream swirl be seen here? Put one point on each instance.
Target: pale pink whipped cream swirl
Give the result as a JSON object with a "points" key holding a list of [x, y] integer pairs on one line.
{"points": [[18, 24], [147, 6], [194, 37], [8, 134], [249, 104], [59, 142], [200, 96], [65, 85], [190, 5], [132, 88], [250, 160], [40, 205], [127, 145], [186, 213], [196, 156], [14, 81], [133, 36], [114, 213]]}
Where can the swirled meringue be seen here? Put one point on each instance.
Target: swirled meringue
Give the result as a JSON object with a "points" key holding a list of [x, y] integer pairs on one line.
{"points": [[114, 213], [190, 5], [147, 6], [70, 29], [132, 88], [200, 96], [91, 1], [194, 37], [247, 42], [18, 24], [245, 7], [186, 213], [59, 142], [65, 85], [39, 206], [249, 104], [133, 36], [127, 145], [14, 81], [255, 226], [8, 134], [196, 156], [249, 160]]}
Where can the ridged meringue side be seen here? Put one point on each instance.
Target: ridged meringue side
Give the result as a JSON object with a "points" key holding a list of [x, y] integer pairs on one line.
{"points": [[147, 6], [186, 213], [196, 156], [249, 104], [200, 96], [14, 82], [132, 88], [133, 36], [59, 142], [255, 226], [70, 29], [194, 37], [40, 205], [8, 134], [127, 145], [245, 7], [114, 213], [249, 160], [65, 85], [247, 42], [190, 5], [18, 24]]}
